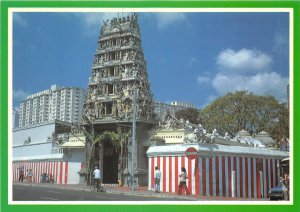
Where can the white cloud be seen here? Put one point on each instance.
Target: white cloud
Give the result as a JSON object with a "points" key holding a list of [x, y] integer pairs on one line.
{"points": [[281, 42], [18, 19], [244, 60], [209, 100], [203, 80], [166, 19], [92, 21], [163, 61], [248, 70], [261, 83], [192, 61], [19, 95]]}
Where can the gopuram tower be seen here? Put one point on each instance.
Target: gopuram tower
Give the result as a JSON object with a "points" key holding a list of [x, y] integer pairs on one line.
{"points": [[118, 87]]}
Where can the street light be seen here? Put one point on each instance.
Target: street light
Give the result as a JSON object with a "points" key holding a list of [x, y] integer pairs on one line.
{"points": [[133, 144]]}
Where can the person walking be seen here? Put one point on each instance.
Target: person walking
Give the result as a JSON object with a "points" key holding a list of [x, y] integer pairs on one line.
{"points": [[182, 184], [97, 177], [157, 176]]}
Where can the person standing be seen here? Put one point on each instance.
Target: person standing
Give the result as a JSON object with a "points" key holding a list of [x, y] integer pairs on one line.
{"points": [[21, 174], [157, 176], [26, 176], [97, 177], [29, 175], [182, 184]]}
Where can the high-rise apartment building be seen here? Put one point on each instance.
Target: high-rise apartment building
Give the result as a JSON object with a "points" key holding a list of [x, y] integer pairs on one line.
{"points": [[163, 109], [61, 103], [15, 118], [183, 104]]}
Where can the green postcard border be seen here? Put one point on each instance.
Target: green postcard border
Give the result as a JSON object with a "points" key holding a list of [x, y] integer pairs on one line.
{"points": [[5, 5]]}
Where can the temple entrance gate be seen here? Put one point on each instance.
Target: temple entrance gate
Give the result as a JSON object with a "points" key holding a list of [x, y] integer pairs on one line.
{"points": [[110, 163]]}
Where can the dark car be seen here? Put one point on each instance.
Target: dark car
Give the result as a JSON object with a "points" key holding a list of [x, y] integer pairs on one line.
{"points": [[279, 192]]}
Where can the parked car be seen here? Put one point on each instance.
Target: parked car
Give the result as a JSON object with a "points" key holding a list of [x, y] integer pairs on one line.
{"points": [[280, 192]]}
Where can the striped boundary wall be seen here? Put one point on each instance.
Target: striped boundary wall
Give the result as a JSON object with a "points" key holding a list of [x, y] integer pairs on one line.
{"points": [[58, 169], [212, 176]]}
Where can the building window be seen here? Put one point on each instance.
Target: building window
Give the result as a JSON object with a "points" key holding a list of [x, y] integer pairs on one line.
{"points": [[108, 108], [114, 41], [110, 89], [111, 71]]}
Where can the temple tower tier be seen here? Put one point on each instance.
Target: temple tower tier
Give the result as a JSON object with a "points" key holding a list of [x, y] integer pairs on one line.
{"points": [[119, 69]]}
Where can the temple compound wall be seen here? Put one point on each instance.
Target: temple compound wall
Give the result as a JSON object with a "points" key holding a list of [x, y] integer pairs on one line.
{"points": [[217, 170], [37, 148]]}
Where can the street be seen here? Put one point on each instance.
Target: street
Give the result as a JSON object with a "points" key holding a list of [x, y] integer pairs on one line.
{"points": [[35, 193]]}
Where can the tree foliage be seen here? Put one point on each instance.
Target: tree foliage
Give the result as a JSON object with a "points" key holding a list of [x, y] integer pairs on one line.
{"points": [[190, 114], [117, 139], [244, 110]]}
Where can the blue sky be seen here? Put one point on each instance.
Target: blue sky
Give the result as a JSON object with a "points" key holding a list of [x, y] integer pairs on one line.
{"points": [[193, 57]]}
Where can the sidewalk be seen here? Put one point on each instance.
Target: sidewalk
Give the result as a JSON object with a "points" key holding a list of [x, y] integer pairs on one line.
{"points": [[141, 191]]}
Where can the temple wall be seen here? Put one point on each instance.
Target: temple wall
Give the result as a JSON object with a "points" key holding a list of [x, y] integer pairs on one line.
{"points": [[224, 174], [57, 168]]}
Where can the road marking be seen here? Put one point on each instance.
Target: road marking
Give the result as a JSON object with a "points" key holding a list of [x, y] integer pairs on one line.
{"points": [[106, 198], [56, 192], [20, 188], [47, 198]]}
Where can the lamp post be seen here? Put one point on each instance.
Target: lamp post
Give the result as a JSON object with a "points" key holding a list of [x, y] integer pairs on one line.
{"points": [[133, 144]]}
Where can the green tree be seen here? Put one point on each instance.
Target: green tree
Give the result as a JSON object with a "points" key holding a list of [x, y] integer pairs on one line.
{"points": [[190, 114], [244, 110], [94, 143], [117, 139]]}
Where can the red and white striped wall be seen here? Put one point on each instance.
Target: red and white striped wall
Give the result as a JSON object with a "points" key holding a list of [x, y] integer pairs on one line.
{"points": [[58, 169], [212, 175]]}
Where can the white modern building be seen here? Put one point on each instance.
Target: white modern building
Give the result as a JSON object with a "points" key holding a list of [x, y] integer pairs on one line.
{"points": [[56, 103], [15, 118], [161, 109], [183, 104], [44, 148]]}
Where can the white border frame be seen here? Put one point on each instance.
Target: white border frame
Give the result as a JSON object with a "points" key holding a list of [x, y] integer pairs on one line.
{"points": [[109, 10]]}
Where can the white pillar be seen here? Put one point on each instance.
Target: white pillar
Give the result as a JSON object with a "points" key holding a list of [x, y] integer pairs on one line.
{"points": [[233, 183], [261, 184]]}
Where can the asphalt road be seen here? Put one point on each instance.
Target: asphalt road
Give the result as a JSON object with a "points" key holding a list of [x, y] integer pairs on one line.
{"points": [[34, 193]]}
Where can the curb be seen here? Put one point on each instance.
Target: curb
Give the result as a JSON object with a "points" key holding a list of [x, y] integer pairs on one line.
{"points": [[117, 190], [113, 190]]}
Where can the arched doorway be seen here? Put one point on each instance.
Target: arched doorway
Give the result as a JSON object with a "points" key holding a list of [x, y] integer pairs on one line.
{"points": [[110, 163]]}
